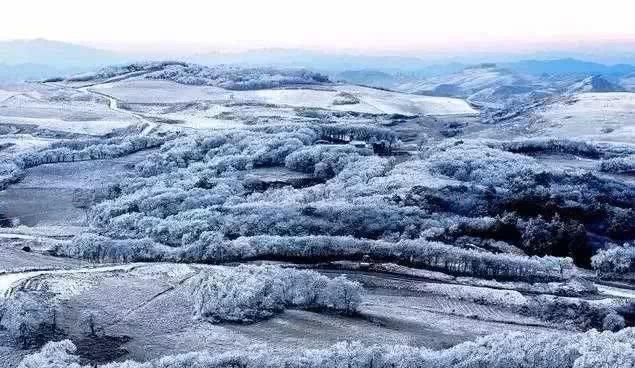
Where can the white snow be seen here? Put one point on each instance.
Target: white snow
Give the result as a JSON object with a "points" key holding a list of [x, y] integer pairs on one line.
{"points": [[158, 91], [606, 117], [65, 116], [95, 127], [372, 101], [9, 280], [38, 232], [616, 292], [4, 94], [21, 143], [204, 119], [17, 236], [468, 79]]}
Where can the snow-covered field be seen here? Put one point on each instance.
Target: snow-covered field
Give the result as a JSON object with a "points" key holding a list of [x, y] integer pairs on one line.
{"points": [[208, 118], [22, 91], [371, 101], [599, 117], [22, 143], [71, 117], [50, 194], [157, 91]]}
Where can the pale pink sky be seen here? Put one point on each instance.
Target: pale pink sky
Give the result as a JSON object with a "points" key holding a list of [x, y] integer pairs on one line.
{"points": [[387, 25]]}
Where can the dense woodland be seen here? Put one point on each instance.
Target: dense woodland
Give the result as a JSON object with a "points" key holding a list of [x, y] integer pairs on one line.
{"points": [[248, 294], [225, 76], [587, 350], [459, 206], [462, 207]]}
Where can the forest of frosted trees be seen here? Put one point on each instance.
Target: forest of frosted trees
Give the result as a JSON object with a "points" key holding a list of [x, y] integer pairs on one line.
{"points": [[247, 294], [460, 207], [225, 76], [520, 350], [193, 188]]}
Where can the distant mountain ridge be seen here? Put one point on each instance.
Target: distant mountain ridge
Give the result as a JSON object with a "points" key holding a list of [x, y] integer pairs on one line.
{"points": [[54, 53], [32, 59], [25, 72], [312, 60], [39, 59], [567, 66]]}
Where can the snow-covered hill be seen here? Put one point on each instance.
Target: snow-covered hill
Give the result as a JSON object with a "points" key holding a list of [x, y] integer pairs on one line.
{"points": [[596, 83], [368, 100], [486, 85], [465, 82], [336, 98], [608, 116], [224, 76]]}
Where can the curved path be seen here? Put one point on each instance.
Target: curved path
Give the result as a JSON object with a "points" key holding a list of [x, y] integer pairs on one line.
{"points": [[10, 282], [113, 104]]}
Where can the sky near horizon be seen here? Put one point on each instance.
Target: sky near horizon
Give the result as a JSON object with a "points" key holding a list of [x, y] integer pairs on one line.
{"points": [[395, 25]]}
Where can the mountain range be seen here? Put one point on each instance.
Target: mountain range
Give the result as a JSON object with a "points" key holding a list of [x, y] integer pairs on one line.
{"points": [[39, 58]]}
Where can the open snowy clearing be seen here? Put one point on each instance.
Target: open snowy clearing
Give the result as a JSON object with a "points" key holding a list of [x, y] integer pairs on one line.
{"points": [[49, 194], [87, 127], [9, 281], [15, 144], [14, 260], [372, 101], [616, 292], [80, 174], [23, 91], [204, 120], [41, 207], [72, 117], [157, 91], [608, 117], [40, 232]]}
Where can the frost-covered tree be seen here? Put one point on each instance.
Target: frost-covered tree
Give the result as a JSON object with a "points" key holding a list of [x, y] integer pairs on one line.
{"points": [[617, 260], [516, 349], [29, 318], [613, 322], [618, 164], [53, 355], [249, 293]]}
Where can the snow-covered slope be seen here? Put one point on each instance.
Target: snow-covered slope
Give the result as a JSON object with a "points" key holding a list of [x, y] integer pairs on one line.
{"points": [[595, 83], [359, 99], [485, 85], [226, 76], [465, 82], [56, 110], [606, 116], [159, 91], [373, 101]]}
